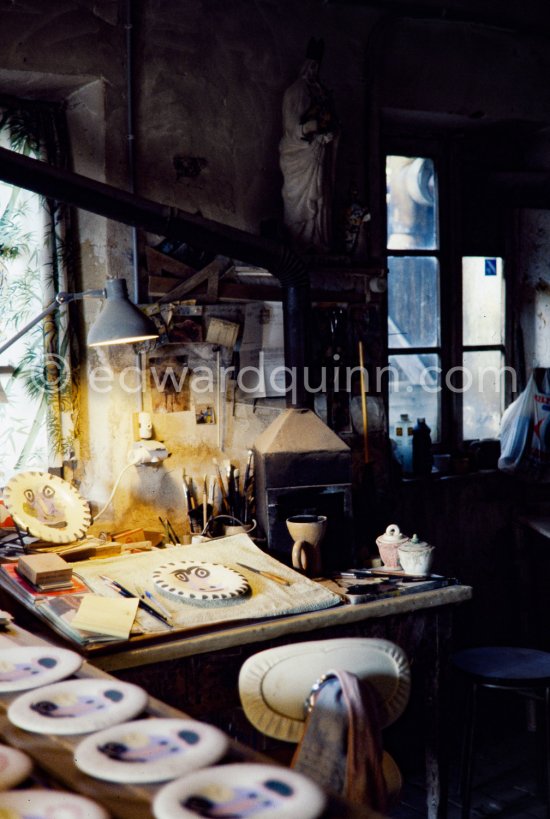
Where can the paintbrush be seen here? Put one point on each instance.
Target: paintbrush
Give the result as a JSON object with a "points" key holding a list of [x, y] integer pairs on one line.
{"points": [[247, 471], [186, 492], [225, 504], [236, 493], [246, 485], [211, 489], [204, 503], [230, 487], [172, 532]]}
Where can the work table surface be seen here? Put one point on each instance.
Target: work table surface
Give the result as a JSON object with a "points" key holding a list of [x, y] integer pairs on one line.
{"points": [[182, 644]]}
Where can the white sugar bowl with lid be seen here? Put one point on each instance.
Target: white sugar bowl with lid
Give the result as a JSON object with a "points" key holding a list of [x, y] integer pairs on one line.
{"points": [[416, 556], [388, 545]]}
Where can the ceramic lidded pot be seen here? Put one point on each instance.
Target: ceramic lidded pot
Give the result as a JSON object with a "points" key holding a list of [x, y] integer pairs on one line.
{"points": [[416, 556], [388, 545]]}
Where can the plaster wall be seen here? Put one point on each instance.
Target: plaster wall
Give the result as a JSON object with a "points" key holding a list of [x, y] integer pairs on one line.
{"points": [[208, 82], [533, 287]]}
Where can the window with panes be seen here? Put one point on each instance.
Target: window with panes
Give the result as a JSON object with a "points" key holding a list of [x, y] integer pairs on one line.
{"points": [[446, 311]]}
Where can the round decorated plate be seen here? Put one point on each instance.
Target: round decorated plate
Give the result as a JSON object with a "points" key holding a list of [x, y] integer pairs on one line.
{"points": [[47, 507], [42, 804], [77, 706], [240, 790], [150, 750], [33, 666], [194, 581], [15, 766]]}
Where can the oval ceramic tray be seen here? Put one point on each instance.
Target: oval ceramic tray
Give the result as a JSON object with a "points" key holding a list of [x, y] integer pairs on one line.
{"points": [[195, 581], [15, 766], [47, 507], [240, 790], [33, 666], [77, 706], [42, 804], [150, 750]]}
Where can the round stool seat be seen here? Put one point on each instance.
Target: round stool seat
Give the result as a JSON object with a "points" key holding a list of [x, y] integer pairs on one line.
{"points": [[505, 665]]}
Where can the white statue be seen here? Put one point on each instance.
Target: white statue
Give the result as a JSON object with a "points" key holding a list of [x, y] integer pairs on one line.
{"points": [[307, 156]]}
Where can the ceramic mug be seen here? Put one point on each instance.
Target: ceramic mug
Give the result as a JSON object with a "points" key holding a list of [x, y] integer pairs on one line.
{"points": [[307, 531]]}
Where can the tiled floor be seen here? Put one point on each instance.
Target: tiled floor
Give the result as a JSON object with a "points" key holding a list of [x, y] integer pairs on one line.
{"points": [[506, 783]]}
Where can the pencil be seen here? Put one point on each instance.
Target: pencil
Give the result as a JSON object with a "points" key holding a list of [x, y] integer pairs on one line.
{"points": [[118, 587]]}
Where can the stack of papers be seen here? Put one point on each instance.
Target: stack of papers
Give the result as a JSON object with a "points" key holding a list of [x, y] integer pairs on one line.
{"points": [[112, 616]]}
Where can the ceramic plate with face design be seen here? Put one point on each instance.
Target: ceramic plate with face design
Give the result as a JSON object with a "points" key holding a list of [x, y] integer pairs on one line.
{"points": [[240, 790], [47, 507], [42, 804], [77, 706], [150, 750], [33, 666], [15, 766], [194, 581]]}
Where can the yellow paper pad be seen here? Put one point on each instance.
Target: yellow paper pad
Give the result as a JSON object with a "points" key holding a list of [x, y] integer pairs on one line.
{"points": [[106, 615]]}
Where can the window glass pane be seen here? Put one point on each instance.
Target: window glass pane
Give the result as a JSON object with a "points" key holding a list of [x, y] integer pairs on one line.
{"points": [[414, 388], [483, 301], [411, 192], [483, 392], [413, 302], [23, 431]]}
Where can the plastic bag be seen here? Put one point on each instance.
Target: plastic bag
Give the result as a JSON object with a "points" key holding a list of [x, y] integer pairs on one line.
{"points": [[525, 432]]}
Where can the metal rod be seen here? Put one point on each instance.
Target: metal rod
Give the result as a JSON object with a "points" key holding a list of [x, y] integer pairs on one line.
{"points": [[130, 209], [47, 310]]}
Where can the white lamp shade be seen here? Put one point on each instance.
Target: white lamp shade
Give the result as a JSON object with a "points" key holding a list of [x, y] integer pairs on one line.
{"points": [[119, 321]]}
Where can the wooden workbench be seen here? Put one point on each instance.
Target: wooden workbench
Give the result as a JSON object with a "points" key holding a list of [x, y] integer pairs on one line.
{"points": [[53, 755], [198, 671]]}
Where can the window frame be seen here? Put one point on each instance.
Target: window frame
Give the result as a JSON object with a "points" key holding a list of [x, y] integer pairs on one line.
{"points": [[446, 153]]}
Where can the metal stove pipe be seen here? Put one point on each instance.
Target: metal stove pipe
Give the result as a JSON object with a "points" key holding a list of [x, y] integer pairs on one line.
{"points": [[130, 209]]}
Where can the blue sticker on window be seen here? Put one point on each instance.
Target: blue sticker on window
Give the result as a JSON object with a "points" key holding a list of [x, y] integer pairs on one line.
{"points": [[490, 267]]}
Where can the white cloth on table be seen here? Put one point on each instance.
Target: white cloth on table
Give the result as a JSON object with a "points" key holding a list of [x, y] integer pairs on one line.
{"points": [[267, 598]]}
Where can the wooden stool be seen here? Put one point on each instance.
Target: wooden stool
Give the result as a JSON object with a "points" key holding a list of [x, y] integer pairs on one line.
{"points": [[522, 670]]}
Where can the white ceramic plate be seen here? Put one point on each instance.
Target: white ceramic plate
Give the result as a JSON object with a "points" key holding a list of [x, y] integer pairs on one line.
{"points": [[150, 750], [77, 706], [47, 507], [33, 666], [194, 581], [41, 804], [240, 790], [15, 766]]}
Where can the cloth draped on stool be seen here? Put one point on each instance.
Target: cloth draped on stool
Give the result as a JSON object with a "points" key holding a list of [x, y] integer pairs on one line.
{"points": [[341, 747]]}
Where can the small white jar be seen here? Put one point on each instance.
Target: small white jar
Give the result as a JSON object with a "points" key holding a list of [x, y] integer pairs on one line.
{"points": [[416, 557]]}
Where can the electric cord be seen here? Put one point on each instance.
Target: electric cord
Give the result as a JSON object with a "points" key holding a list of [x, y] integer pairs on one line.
{"points": [[114, 489]]}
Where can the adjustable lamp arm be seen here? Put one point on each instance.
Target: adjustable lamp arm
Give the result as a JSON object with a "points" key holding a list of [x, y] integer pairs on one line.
{"points": [[119, 321], [61, 298]]}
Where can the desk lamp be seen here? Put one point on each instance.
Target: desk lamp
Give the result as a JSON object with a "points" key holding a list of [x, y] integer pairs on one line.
{"points": [[119, 322]]}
